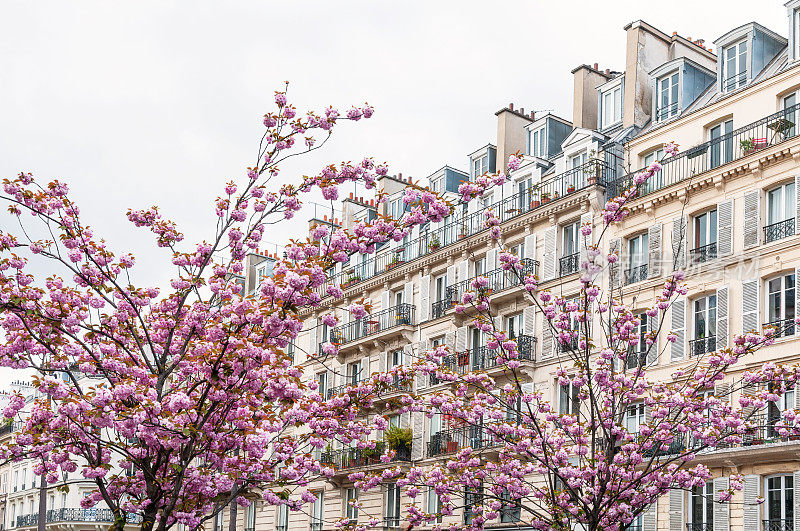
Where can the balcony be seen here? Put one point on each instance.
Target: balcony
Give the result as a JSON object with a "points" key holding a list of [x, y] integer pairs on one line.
{"points": [[782, 327], [593, 172], [703, 254], [667, 111], [636, 358], [702, 345], [699, 526], [778, 525], [498, 280], [75, 515], [769, 131], [342, 389], [440, 307], [636, 274], [350, 458], [484, 359], [779, 230], [568, 265], [391, 522], [452, 440], [569, 346], [372, 325]]}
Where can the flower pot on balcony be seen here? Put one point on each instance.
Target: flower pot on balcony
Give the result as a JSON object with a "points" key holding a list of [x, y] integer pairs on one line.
{"points": [[535, 203], [452, 447], [570, 188]]}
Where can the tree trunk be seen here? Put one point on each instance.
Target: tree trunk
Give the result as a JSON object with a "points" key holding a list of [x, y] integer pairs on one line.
{"points": [[233, 515], [42, 521]]}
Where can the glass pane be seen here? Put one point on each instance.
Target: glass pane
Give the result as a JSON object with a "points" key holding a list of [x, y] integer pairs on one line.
{"points": [[790, 202], [712, 226], [774, 214]]}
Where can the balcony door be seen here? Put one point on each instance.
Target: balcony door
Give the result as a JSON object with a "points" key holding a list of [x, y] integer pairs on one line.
{"points": [[701, 508], [704, 320], [781, 205], [780, 503], [721, 148], [780, 304]]}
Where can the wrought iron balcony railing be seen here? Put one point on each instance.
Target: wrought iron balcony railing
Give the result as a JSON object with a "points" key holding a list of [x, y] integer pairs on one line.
{"points": [[483, 358], [452, 440], [391, 522], [636, 274], [400, 315], [778, 525], [771, 130], [782, 327], [699, 526], [702, 345], [568, 265], [497, 280], [593, 172], [779, 230], [347, 458], [70, 514], [440, 307], [703, 254], [667, 111], [340, 389], [570, 345]]}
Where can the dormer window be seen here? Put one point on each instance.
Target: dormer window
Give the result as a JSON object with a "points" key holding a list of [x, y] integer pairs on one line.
{"points": [[536, 143], [796, 32], [437, 185], [734, 66], [667, 96], [480, 165], [611, 106]]}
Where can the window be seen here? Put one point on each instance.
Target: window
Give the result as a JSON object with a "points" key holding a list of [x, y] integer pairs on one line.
{"points": [[396, 358], [611, 103], [322, 381], [525, 193], [251, 517], [780, 502], [394, 421], [705, 237], [398, 297], [317, 512], [514, 326], [480, 266], [634, 418], [480, 165], [536, 143], [440, 288], [721, 148], [637, 259], [790, 106], [704, 325], [392, 516], [568, 401], [24, 473], [351, 496], [569, 248], [781, 205], [734, 66], [487, 201], [354, 372], [219, 517], [578, 160], [780, 304], [656, 154], [635, 357], [701, 507], [290, 350], [396, 208], [775, 411], [472, 497], [16, 480], [434, 504], [13, 521], [509, 507], [63, 500], [667, 102], [437, 185]]}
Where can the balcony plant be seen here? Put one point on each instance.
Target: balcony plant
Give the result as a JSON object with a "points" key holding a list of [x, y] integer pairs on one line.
{"points": [[399, 440], [394, 261], [570, 188], [545, 197], [434, 243]]}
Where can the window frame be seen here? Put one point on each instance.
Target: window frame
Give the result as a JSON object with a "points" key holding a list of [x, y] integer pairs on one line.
{"points": [[350, 512], [614, 95], [706, 314], [569, 399], [786, 200], [709, 231], [537, 144], [705, 497], [741, 80], [785, 298], [783, 499], [673, 80], [637, 412]]}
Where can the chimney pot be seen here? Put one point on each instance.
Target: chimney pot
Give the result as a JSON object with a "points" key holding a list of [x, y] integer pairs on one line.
{"points": [[608, 71], [351, 195], [522, 110], [594, 66], [400, 176], [511, 106]]}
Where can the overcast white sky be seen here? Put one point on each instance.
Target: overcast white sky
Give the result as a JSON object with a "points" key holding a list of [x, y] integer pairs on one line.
{"points": [[159, 102]]}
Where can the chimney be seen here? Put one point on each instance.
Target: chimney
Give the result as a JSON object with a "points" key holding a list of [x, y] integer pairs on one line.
{"points": [[584, 95], [511, 106], [595, 67], [522, 110]]}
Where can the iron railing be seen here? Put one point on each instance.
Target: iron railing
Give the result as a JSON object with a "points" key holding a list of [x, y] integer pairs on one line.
{"points": [[347, 458], [636, 274], [452, 440], [316, 526], [391, 521], [735, 81], [568, 265], [782, 327], [768, 131], [699, 526], [498, 280], [400, 315], [591, 173], [484, 358], [667, 111], [570, 345], [703, 254], [70, 514], [778, 525], [779, 230], [341, 389], [702, 345], [439, 308]]}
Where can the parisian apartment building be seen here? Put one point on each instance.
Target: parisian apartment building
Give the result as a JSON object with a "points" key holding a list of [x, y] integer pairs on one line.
{"points": [[729, 200]]}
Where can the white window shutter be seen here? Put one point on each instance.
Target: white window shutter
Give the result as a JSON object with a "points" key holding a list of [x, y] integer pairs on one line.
{"points": [[676, 511], [584, 241], [721, 510], [615, 247], [654, 251], [549, 259], [312, 339], [797, 204], [530, 247], [424, 298], [461, 339], [385, 299], [450, 341], [752, 225], [652, 355], [418, 439], [678, 318], [547, 339], [463, 270], [451, 275], [750, 304], [365, 369], [723, 392], [408, 293], [678, 243], [529, 321], [382, 362], [408, 355], [650, 517], [422, 379], [722, 317], [796, 500], [725, 228], [491, 259], [751, 518]]}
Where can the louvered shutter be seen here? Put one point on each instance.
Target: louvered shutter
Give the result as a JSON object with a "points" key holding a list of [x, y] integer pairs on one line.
{"points": [[584, 241], [365, 368], [491, 260], [796, 500], [725, 228], [751, 518], [750, 303], [751, 226], [676, 512], [382, 362], [615, 247], [408, 355], [797, 204], [418, 440], [549, 258], [721, 510], [654, 251], [312, 339], [461, 339], [529, 320], [547, 340], [678, 320], [451, 275], [420, 378], [424, 298], [652, 354], [530, 247], [449, 341], [385, 299], [678, 243], [408, 293], [722, 391], [722, 317], [463, 270], [650, 517]]}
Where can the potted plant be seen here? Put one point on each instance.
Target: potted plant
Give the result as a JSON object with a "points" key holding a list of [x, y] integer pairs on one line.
{"points": [[452, 447], [394, 261], [399, 440], [747, 145], [546, 197], [593, 167], [434, 243], [570, 188]]}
